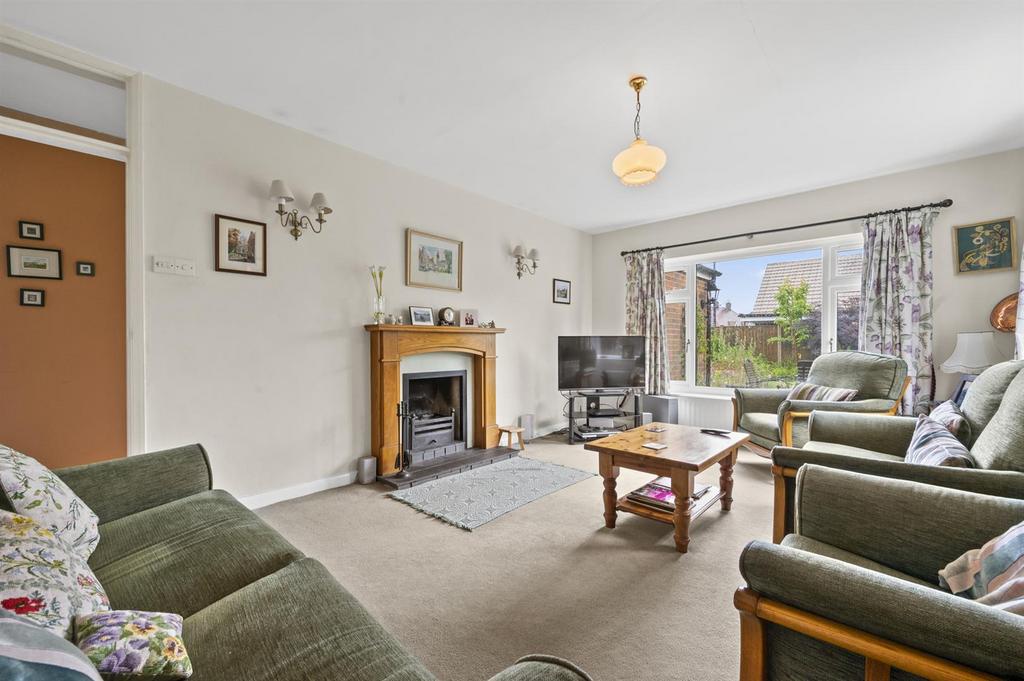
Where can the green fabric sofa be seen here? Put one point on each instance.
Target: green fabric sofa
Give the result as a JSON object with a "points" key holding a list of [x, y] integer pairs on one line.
{"points": [[994, 408], [771, 419], [855, 587], [254, 608]]}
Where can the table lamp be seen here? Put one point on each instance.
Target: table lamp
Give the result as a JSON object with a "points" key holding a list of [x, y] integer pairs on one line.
{"points": [[975, 351]]}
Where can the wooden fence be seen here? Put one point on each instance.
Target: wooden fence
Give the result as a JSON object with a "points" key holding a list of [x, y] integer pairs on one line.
{"points": [[756, 338]]}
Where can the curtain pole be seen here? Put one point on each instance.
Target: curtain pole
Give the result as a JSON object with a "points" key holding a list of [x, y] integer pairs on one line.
{"points": [[945, 203]]}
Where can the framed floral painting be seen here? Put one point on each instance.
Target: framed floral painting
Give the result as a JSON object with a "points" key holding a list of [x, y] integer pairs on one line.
{"points": [[985, 246]]}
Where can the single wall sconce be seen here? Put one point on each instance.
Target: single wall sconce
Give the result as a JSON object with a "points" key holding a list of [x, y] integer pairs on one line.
{"points": [[291, 219], [521, 256]]}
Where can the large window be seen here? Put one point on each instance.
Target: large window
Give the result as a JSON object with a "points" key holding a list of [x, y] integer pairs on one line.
{"points": [[759, 317]]}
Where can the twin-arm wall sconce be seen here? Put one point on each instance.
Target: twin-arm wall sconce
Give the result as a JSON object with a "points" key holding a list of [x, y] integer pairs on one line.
{"points": [[521, 256], [291, 219]]}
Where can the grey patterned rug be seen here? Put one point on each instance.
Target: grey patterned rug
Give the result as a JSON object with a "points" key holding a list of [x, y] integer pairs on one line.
{"points": [[470, 499]]}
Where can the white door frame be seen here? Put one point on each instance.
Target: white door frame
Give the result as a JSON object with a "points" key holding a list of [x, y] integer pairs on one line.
{"points": [[131, 154]]}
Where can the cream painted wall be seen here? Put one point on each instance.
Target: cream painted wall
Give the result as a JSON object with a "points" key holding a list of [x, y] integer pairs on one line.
{"points": [[271, 374], [981, 188]]}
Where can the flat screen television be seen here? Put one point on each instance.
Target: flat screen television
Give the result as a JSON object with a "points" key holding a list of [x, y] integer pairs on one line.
{"points": [[598, 362]]}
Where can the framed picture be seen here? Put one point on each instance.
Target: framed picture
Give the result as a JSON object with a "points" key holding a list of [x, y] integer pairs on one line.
{"points": [[32, 297], [432, 261], [561, 291], [85, 269], [34, 263], [30, 230], [421, 316], [985, 246], [468, 317], [240, 245]]}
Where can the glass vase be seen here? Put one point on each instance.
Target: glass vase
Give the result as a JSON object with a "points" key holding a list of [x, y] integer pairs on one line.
{"points": [[379, 309]]}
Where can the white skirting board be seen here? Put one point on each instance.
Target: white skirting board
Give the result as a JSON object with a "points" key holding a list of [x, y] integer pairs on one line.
{"points": [[295, 491]]}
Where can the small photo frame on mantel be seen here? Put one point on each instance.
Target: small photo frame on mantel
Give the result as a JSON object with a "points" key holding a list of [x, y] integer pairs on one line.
{"points": [[30, 230], [421, 316], [32, 297], [240, 245], [468, 317], [561, 291]]}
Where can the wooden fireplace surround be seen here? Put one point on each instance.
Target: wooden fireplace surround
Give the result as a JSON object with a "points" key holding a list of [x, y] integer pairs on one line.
{"points": [[390, 343]]}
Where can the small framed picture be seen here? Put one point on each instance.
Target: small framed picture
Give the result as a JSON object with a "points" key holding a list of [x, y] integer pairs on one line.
{"points": [[432, 261], [561, 291], [421, 316], [240, 245], [32, 297], [468, 317], [30, 230], [985, 246], [34, 263], [85, 269]]}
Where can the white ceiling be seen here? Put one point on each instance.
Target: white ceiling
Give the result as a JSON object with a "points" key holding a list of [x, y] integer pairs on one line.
{"points": [[527, 102]]}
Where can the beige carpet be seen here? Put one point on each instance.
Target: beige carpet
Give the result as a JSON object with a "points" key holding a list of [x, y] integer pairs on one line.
{"points": [[547, 577]]}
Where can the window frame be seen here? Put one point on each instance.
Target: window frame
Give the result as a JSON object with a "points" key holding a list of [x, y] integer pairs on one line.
{"points": [[830, 283]]}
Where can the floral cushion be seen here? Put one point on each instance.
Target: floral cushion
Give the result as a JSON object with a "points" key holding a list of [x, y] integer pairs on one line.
{"points": [[42, 579], [37, 492], [134, 643]]}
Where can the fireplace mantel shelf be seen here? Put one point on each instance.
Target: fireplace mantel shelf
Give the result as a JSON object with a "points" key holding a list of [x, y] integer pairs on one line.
{"points": [[430, 329]]}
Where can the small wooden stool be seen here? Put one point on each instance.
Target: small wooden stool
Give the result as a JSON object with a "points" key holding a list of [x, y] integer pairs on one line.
{"points": [[510, 430]]}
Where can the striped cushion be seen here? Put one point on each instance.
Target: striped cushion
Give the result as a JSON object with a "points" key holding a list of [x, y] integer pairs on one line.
{"points": [[949, 415], [30, 653], [933, 445], [820, 393], [992, 575]]}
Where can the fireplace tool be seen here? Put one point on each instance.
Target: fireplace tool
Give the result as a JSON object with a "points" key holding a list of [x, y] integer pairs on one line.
{"points": [[402, 461]]}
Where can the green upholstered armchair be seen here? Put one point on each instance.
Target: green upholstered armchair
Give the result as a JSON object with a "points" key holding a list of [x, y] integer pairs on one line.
{"points": [[771, 419], [854, 593], [994, 408]]}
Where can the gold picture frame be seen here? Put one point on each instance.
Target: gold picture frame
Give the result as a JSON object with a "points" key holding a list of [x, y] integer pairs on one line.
{"points": [[984, 247], [432, 261]]}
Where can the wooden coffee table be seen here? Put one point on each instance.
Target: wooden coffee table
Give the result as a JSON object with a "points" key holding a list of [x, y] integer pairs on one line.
{"points": [[688, 453]]}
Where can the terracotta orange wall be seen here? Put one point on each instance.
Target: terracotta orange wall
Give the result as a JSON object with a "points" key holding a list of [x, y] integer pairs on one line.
{"points": [[62, 366]]}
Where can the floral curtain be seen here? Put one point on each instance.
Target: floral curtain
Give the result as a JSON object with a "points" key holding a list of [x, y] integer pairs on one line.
{"points": [[896, 297], [645, 313]]}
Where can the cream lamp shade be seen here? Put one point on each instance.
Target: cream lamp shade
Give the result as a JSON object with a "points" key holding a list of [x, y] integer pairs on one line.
{"points": [[534, 254], [280, 192], [319, 204], [975, 351], [518, 252], [639, 163]]}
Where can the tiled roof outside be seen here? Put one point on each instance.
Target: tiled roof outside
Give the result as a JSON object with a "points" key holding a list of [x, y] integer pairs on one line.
{"points": [[795, 272]]}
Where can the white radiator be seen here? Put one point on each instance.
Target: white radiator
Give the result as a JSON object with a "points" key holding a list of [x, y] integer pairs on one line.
{"points": [[706, 411]]}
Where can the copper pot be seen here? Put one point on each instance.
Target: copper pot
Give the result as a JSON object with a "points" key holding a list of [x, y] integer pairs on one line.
{"points": [[1004, 314]]}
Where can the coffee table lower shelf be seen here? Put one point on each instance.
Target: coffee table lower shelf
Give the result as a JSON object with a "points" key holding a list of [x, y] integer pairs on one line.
{"points": [[699, 506]]}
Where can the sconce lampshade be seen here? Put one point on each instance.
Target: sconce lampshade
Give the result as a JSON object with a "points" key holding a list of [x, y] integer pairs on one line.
{"points": [[518, 252], [319, 204], [639, 163], [975, 351], [280, 192], [534, 254]]}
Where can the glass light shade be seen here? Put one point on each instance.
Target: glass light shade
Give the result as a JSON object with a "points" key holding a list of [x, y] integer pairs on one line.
{"points": [[319, 204], [534, 254], [639, 164], [975, 351], [518, 252], [280, 192]]}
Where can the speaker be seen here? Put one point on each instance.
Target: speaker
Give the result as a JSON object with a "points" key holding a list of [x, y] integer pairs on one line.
{"points": [[663, 408], [526, 423]]}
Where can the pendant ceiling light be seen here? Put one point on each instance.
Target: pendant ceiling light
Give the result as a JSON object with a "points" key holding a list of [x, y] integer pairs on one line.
{"points": [[640, 162]]}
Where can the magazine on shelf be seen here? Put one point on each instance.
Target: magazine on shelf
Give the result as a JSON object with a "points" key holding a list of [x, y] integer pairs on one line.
{"points": [[658, 494]]}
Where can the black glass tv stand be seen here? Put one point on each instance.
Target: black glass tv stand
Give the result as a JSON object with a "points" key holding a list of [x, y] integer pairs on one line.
{"points": [[580, 427]]}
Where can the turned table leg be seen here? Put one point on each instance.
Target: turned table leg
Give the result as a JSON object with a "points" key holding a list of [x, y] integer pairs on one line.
{"points": [[725, 478], [682, 488], [609, 472]]}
